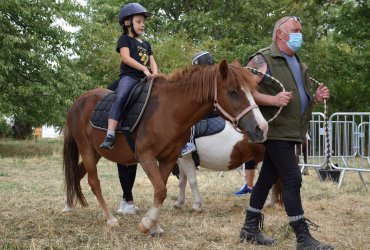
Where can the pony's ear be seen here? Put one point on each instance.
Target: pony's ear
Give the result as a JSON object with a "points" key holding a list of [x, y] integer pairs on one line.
{"points": [[224, 68]]}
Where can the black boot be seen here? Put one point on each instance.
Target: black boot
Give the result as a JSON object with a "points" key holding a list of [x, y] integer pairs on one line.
{"points": [[304, 239], [108, 142], [251, 231]]}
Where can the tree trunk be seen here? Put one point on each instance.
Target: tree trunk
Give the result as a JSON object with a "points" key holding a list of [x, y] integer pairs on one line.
{"points": [[22, 131]]}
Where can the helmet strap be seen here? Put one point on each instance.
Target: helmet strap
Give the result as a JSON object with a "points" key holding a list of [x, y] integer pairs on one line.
{"points": [[132, 27]]}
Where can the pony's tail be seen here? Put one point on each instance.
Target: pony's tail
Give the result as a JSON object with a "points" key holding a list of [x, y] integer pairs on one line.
{"points": [[72, 170]]}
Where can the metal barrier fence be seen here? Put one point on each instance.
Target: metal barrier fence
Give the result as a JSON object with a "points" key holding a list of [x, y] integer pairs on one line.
{"points": [[349, 139]]}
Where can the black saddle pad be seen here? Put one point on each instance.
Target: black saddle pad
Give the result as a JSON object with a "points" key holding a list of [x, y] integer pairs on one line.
{"points": [[131, 112], [209, 126]]}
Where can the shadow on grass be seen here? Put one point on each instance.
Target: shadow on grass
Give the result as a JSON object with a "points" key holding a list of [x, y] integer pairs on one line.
{"points": [[29, 148]]}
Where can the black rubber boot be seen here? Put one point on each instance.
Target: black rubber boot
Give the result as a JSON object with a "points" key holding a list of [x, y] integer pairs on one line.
{"points": [[108, 142], [304, 239], [251, 231]]}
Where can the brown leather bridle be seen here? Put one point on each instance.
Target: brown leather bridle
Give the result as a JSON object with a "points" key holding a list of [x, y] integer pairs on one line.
{"points": [[234, 120]]}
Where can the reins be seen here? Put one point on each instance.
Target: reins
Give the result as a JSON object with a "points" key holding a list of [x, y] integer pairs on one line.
{"points": [[234, 120], [257, 72]]}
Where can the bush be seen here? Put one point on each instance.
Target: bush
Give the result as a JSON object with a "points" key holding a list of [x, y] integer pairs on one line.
{"points": [[5, 128]]}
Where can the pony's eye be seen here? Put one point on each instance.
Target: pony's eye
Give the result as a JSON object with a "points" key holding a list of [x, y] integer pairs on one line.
{"points": [[232, 93]]}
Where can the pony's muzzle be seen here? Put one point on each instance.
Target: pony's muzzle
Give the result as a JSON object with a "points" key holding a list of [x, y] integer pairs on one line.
{"points": [[258, 134], [257, 131]]}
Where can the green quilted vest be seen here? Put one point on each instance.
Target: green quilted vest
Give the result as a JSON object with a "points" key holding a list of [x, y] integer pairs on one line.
{"points": [[289, 125]]}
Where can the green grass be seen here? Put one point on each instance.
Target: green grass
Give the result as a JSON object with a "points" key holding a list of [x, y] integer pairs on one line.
{"points": [[32, 196], [29, 148]]}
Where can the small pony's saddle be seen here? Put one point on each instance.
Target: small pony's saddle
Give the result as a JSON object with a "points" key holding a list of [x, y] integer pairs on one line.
{"points": [[210, 125], [132, 110]]}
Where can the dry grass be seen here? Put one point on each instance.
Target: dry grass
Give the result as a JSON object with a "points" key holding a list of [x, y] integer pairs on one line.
{"points": [[32, 196]]}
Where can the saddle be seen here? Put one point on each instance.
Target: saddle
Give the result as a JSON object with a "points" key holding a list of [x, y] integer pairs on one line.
{"points": [[210, 125], [131, 113]]}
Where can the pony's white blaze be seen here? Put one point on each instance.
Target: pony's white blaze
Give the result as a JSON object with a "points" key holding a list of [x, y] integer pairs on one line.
{"points": [[221, 144], [262, 123]]}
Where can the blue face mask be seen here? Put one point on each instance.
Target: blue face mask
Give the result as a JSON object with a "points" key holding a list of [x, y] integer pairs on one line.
{"points": [[295, 41]]}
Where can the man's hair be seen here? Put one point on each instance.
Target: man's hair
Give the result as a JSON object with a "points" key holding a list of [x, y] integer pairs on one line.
{"points": [[277, 25]]}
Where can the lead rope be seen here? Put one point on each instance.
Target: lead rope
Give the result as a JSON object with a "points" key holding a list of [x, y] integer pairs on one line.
{"points": [[257, 72], [327, 164]]}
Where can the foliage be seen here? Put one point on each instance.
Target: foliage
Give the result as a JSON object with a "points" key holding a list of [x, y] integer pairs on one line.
{"points": [[335, 37], [44, 68], [5, 128], [37, 77]]}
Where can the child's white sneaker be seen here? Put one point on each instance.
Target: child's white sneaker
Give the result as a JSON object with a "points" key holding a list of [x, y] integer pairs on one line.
{"points": [[129, 209], [121, 206]]}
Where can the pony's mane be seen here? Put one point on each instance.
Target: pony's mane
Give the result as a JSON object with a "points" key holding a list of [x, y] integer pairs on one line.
{"points": [[199, 80], [242, 76]]}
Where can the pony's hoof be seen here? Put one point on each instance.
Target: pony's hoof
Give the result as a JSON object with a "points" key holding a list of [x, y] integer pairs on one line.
{"points": [[177, 206], [67, 211], [196, 210], [142, 228], [113, 222], [156, 231], [156, 234]]}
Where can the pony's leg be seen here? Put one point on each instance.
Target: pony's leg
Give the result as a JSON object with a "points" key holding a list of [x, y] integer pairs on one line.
{"points": [[276, 194], [272, 198], [90, 160], [67, 209], [158, 177], [182, 186], [188, 166]]}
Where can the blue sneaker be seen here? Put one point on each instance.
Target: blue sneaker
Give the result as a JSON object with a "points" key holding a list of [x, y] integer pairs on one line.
{"points": [[189, 147], [244, 190]]}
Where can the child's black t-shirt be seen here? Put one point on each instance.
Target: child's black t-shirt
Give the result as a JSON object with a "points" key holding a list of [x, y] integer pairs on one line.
{"points": [[139, 51]]}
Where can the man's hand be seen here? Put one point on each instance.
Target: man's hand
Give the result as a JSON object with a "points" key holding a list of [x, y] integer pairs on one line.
{"points": [[322, 92], [283, 98]]}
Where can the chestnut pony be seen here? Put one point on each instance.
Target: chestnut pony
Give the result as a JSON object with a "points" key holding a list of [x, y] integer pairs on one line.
{"points": [[177, 101]]}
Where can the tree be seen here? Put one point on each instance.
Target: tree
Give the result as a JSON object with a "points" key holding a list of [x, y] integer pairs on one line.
{"points": [[36, 72], [44, 68], [339, 53]]}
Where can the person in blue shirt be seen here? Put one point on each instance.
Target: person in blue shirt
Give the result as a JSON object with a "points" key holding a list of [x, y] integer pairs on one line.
{"points": [[281, 61]]}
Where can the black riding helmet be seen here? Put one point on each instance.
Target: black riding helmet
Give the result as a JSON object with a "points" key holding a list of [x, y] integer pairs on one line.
{"points": [[203, 58], [130, 10]]}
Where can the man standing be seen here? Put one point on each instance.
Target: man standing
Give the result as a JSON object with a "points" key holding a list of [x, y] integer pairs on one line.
{"points": [[289, 128]]}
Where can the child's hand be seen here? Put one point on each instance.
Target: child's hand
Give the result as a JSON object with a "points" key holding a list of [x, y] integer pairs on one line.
{"points": [[147, 72]]}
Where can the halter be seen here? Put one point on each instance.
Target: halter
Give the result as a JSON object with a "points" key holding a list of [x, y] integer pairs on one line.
{"points": [[257, 72], [234, 120]]}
